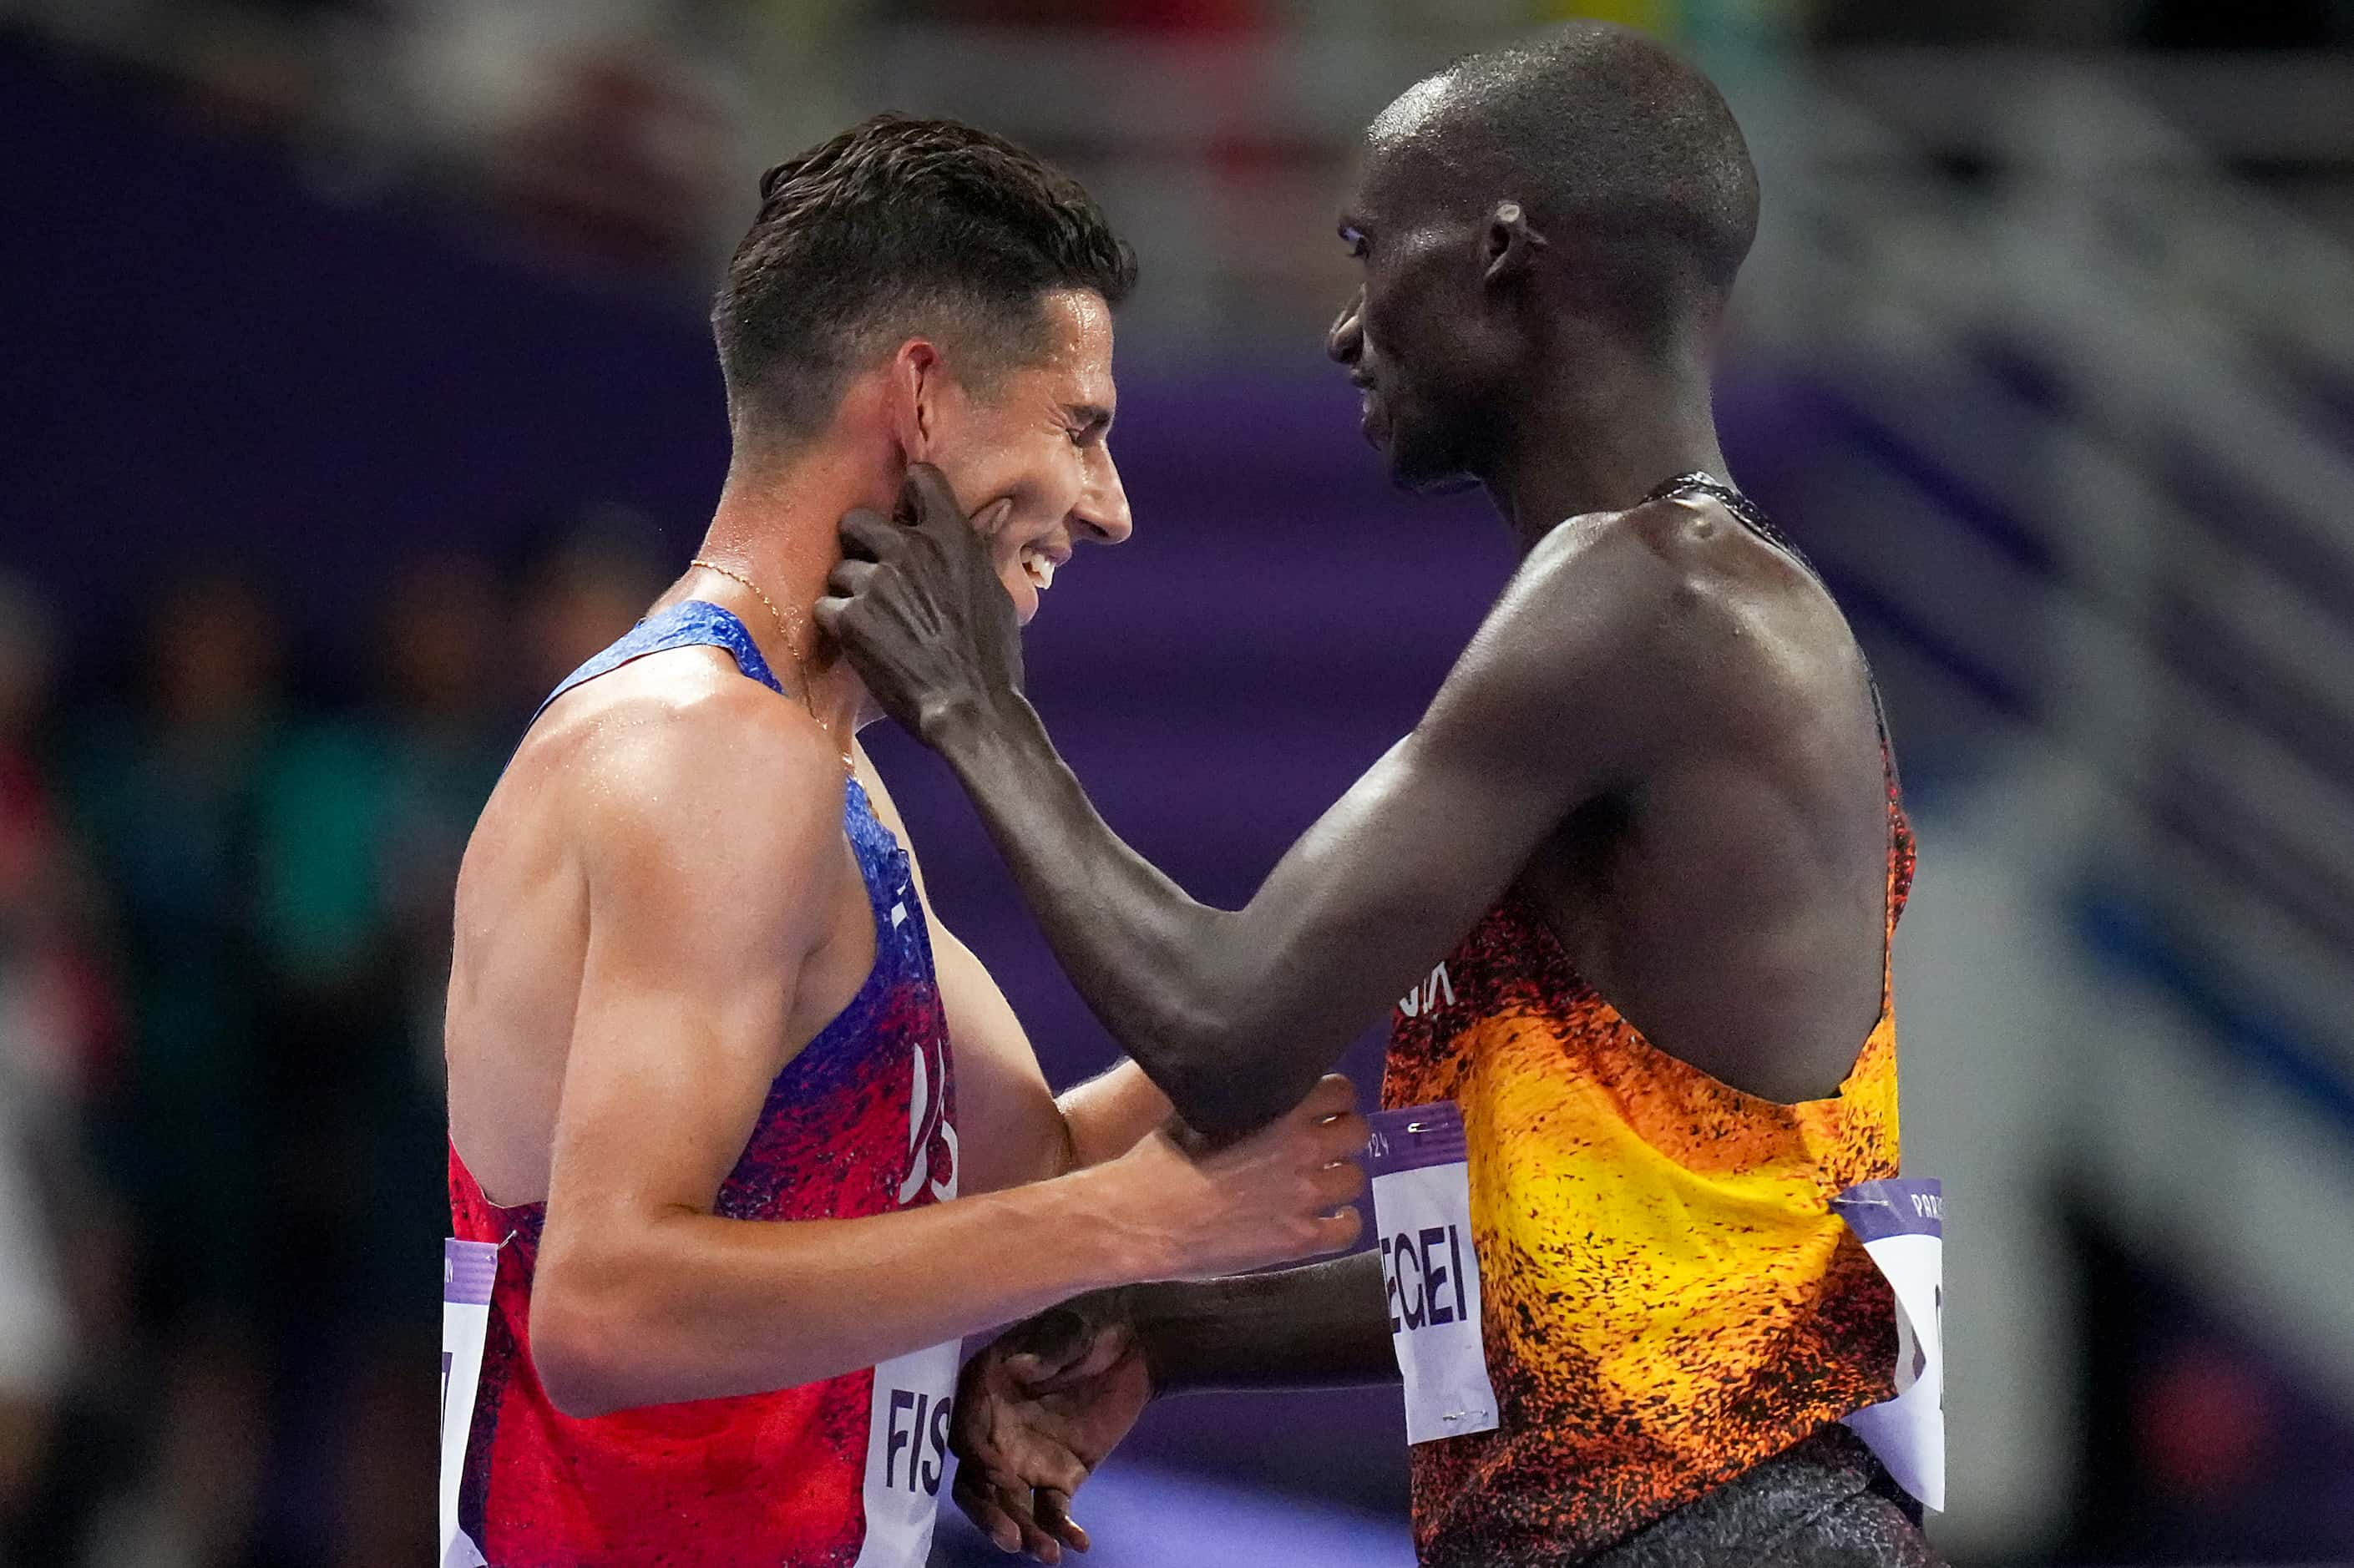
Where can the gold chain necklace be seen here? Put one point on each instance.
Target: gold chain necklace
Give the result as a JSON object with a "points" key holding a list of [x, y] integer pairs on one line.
{"points": [[801, 669]]}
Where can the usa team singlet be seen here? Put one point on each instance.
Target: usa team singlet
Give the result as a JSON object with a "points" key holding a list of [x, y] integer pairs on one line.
{"points": [[1670, 1298], [840, 1473]]}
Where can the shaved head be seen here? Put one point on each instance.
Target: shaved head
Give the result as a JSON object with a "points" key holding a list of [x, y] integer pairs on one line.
{"points": [[1533, 225], [1614, 145]]}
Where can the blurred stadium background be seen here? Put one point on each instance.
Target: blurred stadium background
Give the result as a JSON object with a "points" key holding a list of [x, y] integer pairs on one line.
{"points": [[353, 385]]}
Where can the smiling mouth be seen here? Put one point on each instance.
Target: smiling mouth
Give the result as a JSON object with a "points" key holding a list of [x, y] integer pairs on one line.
{"points": [[1039, 564]]}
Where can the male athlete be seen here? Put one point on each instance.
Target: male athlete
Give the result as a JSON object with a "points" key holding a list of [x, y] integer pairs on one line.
{"points": [[697, 989], [1636, 872]]}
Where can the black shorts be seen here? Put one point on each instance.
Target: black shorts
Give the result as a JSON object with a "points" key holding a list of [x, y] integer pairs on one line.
{"points": [[1825, 1503]]}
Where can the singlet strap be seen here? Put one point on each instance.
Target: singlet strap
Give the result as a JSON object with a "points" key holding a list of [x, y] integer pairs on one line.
{"points": [[699, 623], [691, 623]]}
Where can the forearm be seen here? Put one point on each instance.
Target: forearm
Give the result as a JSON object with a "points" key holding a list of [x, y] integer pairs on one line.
{"points": [[1324, 1325], [696, 1307], [1201, 999]]}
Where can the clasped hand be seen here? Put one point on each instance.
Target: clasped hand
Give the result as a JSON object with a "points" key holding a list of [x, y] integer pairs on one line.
{"points": [[1036, 1411]]}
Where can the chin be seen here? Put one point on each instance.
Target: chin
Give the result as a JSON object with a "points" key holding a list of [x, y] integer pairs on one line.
{"points": [[1024, 595], [1428, 474], [1423, 466]]}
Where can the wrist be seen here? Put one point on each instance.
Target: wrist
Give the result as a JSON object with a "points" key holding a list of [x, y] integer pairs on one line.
{"points": [[1123, 1246], [978, 729], [957, 722], [1158, 1313]]}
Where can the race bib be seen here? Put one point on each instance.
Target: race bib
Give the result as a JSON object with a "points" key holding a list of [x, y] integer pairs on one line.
{"points": [[907, 1452], [1422, 1210], [1902, 1226], [469, 1269]]}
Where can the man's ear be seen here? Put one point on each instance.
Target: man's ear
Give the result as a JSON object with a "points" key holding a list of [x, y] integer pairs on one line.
{"points": [[919, 382], [1512, 243]]}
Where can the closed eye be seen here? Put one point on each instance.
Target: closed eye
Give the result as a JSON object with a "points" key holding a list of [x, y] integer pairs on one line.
{"points": [[1089, 424]]}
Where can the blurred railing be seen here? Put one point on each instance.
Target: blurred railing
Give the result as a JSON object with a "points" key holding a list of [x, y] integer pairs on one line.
{"points": [[2098, 478]]}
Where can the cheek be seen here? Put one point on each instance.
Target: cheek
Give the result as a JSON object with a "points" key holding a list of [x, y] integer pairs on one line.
{"points": [[1045, 488]]}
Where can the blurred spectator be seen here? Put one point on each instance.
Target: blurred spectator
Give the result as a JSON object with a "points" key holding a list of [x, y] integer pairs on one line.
{"points": [[52, 1026], [579, 591], [360, 822], [165, 790], [600, 127]]}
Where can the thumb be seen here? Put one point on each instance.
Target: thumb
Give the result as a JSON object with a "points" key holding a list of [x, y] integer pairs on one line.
{"points": [[929, 502]]}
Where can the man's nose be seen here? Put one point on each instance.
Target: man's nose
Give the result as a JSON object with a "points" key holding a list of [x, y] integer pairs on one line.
{"points": [[1346, 341], [1102, 511]]}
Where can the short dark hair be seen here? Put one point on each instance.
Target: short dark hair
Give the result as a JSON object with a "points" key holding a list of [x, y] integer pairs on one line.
{"points": [[900, 225], [1607, 134]]}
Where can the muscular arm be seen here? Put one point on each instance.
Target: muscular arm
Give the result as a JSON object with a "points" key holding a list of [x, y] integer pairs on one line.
{"points": [[644, 1295], [1558, 700]]}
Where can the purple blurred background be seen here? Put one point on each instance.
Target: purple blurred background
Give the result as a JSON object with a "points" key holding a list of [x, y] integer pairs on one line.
{"points": [[333, 431]]}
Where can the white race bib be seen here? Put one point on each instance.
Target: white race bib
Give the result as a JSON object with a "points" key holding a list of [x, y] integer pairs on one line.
{"points": [[1422, 1210], [469, 1270], [1902, 1226], [907, 1417], [906, 1450]]}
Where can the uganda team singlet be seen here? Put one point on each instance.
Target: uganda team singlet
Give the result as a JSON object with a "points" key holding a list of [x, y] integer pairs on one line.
{"points": [[1669, 1297], [840, 1473]]}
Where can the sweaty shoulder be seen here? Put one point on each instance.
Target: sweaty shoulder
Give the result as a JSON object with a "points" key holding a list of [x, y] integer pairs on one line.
{"points": [[1621, 627], [1603, 589], [678, 756], [1671, 579], [1685, 548]]}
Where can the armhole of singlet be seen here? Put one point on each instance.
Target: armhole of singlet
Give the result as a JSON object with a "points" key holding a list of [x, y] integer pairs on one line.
{"points": [[850, 1021]]}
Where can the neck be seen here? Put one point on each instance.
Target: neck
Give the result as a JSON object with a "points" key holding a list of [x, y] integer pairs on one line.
{"points": [[776, 524], [1601, 436]]}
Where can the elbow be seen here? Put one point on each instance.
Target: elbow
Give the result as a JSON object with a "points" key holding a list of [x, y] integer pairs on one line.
{"points": [[1224, 1079], [581, 1348], [1216, 1106]]}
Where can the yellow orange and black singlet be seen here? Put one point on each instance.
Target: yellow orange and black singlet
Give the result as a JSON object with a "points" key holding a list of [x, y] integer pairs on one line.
{"points": [[1670, 1298]]}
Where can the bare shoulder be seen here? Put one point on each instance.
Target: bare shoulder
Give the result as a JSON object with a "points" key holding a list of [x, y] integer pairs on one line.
{"points": [[1687, 547], [1608, 586], [679, 757], [1618, 619], [1678, 574]]}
